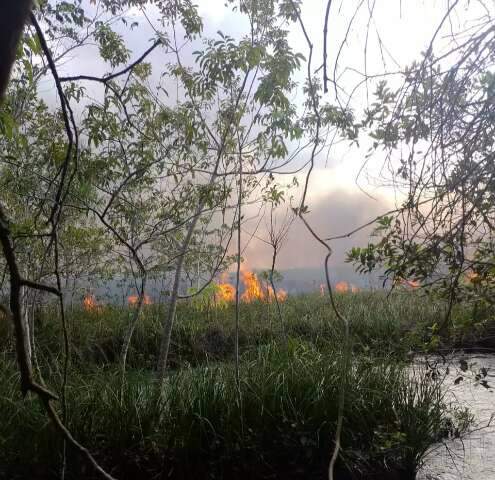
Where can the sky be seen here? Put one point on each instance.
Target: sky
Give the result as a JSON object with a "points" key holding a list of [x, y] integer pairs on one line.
{"points": [[388, 40]]}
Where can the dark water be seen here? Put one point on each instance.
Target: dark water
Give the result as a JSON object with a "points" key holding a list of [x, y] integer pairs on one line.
{"points": [[473, 456]]}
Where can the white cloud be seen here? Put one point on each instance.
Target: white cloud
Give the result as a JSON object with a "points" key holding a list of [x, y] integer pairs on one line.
{"points": [[212, 11]]}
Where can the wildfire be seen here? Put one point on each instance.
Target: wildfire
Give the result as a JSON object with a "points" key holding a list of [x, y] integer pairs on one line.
{"points": [[322, 290], [133, 300], [225, 292], [342, 287], [252, 290], [281, 294], [90, 304], [411, 283]]}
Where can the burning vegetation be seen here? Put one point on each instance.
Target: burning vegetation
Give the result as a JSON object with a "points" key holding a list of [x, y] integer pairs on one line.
{"points": [[404, 282], [253, 290], [225, 293], [344, 287], [133, 300], [90, 304]]}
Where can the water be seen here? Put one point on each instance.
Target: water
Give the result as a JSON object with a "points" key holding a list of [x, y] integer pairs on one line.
{"points": [[473, 457]]}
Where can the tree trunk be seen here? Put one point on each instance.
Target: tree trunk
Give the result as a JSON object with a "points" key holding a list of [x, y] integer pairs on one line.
{"points": [[168, 321], [237, 279], [26, 320], [13, 17]]}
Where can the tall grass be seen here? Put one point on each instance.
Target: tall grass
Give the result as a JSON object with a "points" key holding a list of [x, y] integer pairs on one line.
{"points": [[394, 325], [199, 429], [282, 425]]}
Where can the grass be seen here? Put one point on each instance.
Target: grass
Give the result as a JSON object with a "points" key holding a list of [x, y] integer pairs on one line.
{"points": [[281, 426], [285, 418], [396, 325]]}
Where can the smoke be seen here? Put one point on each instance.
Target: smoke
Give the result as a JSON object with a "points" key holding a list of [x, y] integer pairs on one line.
{"points": [[335, 212]]}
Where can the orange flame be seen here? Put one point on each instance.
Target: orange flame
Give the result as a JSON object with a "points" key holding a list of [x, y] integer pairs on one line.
{"points": [[472, 277], [133, 300], [90, 304], [281, 295], [411, 283], [342, 287], [225, 292], [322, 290], [252, 290]]}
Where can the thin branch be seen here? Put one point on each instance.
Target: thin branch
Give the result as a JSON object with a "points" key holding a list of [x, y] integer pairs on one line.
{"points": [[325, 34], [107, 78]]}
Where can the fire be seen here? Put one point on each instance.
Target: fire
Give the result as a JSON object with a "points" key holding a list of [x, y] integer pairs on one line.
{"points": [[411, 283], [322, 290], [133, 300], [404, 282], [225, 292], [252, 290], [281, 295], [90, 304], [344, 287]]}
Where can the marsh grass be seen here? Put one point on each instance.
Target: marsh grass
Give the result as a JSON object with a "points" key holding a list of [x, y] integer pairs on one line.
{"points": [[198, 429], [283, 424], [390, 326]]}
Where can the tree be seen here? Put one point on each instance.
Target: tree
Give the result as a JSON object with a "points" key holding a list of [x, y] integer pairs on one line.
{"points": [[53, 176], [250, 80], [438, 132]]}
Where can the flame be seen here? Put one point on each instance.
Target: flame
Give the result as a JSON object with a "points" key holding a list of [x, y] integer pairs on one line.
{"points": [[471, 275], [404, 282], [342, 287], [281, 295], [90, 304], [322, 290], [252, 289], [133, 300], [411, 283], [225, 292]]}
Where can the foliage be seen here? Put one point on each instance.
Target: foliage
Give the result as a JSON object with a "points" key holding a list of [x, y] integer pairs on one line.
{"points": [[288, 412], [436, 130]]}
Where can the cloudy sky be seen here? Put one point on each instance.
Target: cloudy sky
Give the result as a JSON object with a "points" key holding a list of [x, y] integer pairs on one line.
{"points": [[372, 36]]}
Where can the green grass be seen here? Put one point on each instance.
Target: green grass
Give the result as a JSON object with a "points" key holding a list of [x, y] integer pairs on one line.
{"points": [[394, 325], [285, 417], [283, 423]]}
